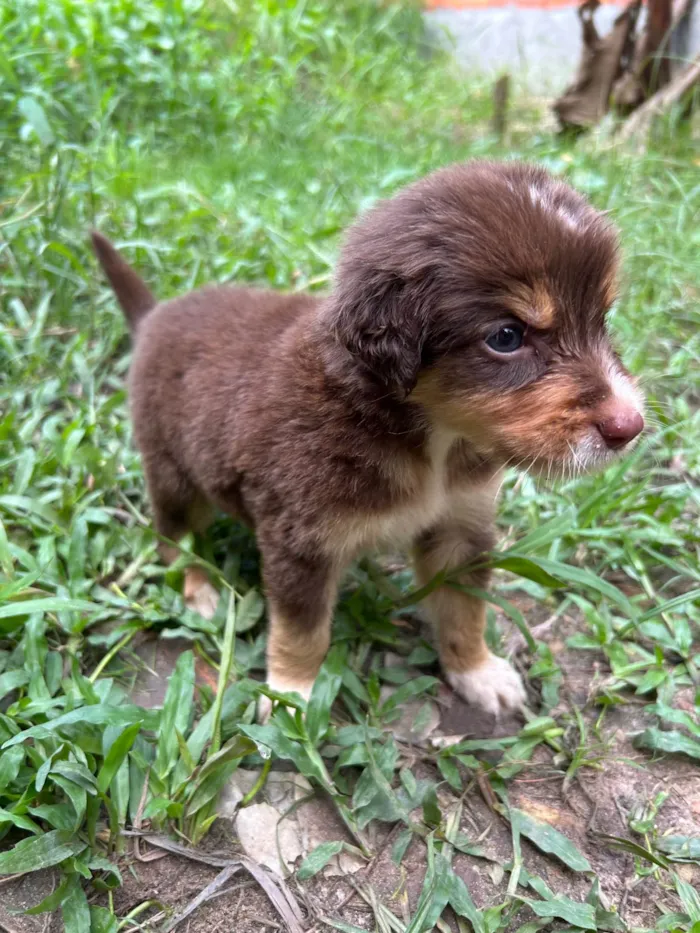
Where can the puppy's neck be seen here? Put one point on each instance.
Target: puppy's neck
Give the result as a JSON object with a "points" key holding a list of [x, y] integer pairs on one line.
{"points": [[410, 425]]}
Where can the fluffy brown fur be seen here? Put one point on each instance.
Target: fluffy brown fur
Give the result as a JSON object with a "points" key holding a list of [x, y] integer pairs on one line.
{"points": [[386, 411]]}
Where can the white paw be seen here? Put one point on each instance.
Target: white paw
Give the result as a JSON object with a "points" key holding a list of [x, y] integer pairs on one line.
{"points": [[281, 686], [494, 685], [203, 599]]}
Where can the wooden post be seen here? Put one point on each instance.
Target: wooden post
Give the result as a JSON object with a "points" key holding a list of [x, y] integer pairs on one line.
{"points": [[501, 94]]}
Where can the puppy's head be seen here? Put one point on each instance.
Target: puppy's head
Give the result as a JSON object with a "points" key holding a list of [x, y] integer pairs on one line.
{"points": [[481, 292]]}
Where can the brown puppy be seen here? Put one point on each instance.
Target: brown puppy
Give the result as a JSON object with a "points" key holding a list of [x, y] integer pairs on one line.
{"points": [[465, 332]]}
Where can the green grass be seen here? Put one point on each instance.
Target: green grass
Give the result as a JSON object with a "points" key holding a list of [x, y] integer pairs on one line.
{"points": [[222, 141]]}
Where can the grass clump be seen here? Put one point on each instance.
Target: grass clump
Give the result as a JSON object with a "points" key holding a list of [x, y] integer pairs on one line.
{"points": [[222, 142]]}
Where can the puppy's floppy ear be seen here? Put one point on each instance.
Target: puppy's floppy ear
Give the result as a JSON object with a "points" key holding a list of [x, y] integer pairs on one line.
{"points": [[379, 324]]}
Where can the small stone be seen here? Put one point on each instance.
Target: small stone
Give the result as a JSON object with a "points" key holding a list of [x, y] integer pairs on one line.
{"points": [[391, 659], [348, 863], [418, 718], [302, 788], [497, 872], [238, 785], [318, 822], [270, 841], [280, 790]]}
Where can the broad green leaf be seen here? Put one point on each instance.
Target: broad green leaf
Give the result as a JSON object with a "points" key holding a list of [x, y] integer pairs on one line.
{"points": [[689, 898], [449, 770], [177, 711], [678, 716], [399, 848], [323, 694], [103, 920], [216, 771], [270, 738], [40, 852], [432, 815], [58, 815], [49, 604], [550, 840], [12, 680], [236, 698], [579, 915], [44, 768], [111, 877], [463, 905], [548, 532], [16, 819], [679, 848], [76, 912], [406, 691], [586, 578], [77, 773], [674, 743], [10, 763], [529, 568], [317, 859], [76, 794], [30, 506], [35, 115], [249, 611], [208, 789], [99, 715], [115, 756]]}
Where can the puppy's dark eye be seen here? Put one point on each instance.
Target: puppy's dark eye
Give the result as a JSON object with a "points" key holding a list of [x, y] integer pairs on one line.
{"points": [[507, 339]]}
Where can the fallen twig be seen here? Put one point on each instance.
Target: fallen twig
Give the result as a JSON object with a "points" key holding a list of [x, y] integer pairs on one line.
{"points": [[274, 887], [204, 895]]}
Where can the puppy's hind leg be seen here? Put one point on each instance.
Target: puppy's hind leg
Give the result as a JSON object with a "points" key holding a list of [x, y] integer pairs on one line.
{"points": [[178, 507]]}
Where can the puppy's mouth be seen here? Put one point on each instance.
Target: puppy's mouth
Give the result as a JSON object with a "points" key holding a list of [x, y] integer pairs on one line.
{"points": [[608, 437], [568, 439], [556, 427], [589, 454]]}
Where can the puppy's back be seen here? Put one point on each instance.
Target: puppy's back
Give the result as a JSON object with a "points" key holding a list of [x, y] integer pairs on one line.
{"points": [[203, 373]]}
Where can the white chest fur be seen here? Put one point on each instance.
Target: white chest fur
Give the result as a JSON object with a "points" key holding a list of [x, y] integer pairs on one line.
{"points": [[432, 501]]}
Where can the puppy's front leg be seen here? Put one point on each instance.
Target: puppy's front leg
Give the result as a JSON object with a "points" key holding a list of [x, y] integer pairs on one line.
{"points": [[301, 592], [471, 669]]}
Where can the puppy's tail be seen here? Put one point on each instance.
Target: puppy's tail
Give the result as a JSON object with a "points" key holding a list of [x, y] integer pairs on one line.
{"points": [[132, 293]]}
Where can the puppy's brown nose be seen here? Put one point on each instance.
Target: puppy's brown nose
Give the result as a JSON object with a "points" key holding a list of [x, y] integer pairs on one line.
{"points": [[621, 428]]}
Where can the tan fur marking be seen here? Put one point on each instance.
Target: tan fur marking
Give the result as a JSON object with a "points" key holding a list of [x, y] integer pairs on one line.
{"points": [[459, 619], [543, 418], [294, 654], [534, 306], [195, 579], [424, 496], [611, 284]]}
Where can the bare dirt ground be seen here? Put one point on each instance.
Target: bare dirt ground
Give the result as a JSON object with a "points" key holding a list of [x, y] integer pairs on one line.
{"points": [[598, 801]]}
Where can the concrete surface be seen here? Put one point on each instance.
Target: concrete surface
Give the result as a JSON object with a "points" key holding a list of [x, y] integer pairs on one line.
{"points": [[540, 47]]}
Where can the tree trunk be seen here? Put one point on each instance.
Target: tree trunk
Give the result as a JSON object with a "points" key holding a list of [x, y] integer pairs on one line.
{"points": [[587, 99], [639, 124]]}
